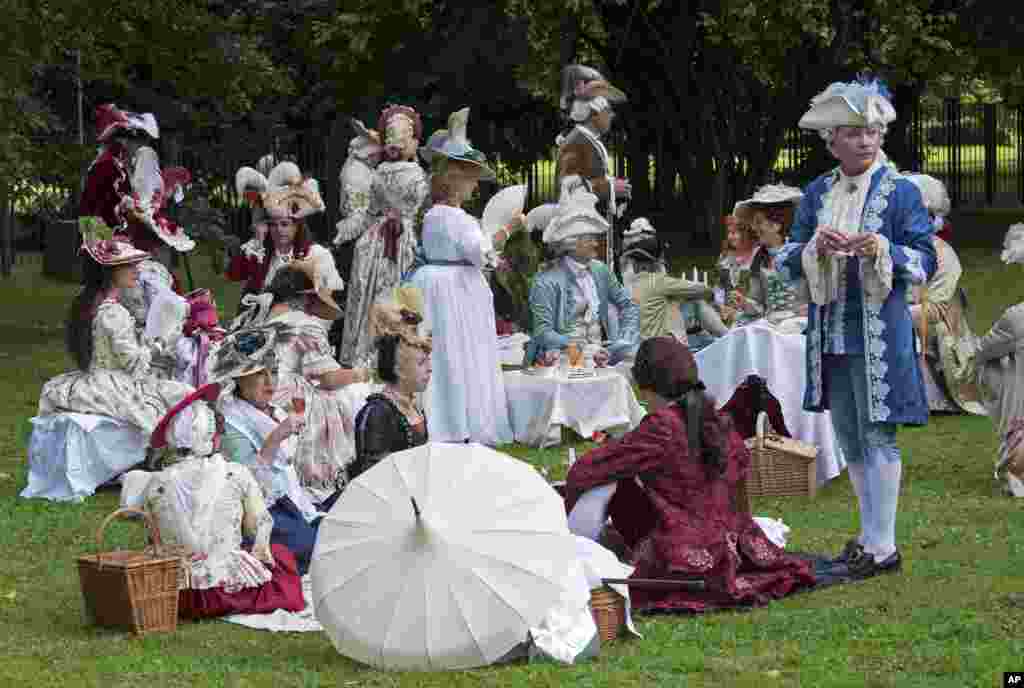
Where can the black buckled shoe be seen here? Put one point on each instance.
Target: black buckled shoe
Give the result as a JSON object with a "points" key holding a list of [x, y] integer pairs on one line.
{"points": [[865, 566], [851, 549]]}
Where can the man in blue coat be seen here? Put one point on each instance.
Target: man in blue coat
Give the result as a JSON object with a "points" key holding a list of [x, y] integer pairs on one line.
{"points": [[860, 239], [569, 301]]}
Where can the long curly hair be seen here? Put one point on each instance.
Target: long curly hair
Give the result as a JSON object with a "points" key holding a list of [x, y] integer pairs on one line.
{"points": [[97, 280]]}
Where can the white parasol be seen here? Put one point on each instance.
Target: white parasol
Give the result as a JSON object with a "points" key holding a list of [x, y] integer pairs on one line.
{"points": [[440, 557], [504, 207]]}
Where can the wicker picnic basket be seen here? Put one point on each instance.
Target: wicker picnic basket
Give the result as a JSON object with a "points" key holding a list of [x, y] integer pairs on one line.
{"points": [[609, 610], [780, 466], [135, 590]]}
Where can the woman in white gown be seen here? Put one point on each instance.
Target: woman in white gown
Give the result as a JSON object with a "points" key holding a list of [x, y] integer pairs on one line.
{"points": [[114, 381], [465, 400]]}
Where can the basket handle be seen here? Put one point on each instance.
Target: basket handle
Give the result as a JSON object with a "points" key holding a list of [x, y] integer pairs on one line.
{"points": [[762, 421], [126, 513]]}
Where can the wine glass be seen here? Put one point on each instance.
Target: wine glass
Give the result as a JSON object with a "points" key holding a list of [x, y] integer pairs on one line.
{"points": [[299, 404]]}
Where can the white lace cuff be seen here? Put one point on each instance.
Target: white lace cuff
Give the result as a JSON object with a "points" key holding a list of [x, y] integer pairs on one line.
{"points": [[877, 273]]}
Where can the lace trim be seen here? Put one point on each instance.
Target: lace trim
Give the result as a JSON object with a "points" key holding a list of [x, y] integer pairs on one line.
{"points": [[254, 249], [876, 368]]}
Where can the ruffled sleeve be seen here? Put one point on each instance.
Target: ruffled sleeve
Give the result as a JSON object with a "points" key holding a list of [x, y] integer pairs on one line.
{"points": [[355, 202], [115, 324], [318, 359], [378, 429]]}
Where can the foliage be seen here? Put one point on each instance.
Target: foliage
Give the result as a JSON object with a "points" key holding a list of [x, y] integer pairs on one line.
{"points": [[131, 53], [520, 260]]}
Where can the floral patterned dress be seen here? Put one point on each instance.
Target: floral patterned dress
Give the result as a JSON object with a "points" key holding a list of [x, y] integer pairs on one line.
{"points": [[120, 382], [683, 523], [399, 189], [325, 443], [204, 505]]}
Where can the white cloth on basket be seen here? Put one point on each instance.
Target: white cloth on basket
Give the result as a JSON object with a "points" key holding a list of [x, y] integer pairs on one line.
{"points": [[760, 349]]}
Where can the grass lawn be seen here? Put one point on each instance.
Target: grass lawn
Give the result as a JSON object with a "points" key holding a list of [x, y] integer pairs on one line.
{"points": [[952, 618]]}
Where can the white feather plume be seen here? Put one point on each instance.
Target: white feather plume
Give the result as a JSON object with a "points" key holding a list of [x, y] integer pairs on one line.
{"points": [[285, 174], [458, 122], [248, 179]]}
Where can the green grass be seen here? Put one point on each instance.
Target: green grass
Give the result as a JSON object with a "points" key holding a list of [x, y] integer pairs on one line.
{"points": [[948, 620]]}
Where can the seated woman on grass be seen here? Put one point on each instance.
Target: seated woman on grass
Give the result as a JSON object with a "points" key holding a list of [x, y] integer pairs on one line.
{"points": [[674, 480], [203, 505], [262, 436], [392, 420]]}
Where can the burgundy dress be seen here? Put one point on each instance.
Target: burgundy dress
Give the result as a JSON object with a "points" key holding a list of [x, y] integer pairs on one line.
{"points": [[682, 523]]}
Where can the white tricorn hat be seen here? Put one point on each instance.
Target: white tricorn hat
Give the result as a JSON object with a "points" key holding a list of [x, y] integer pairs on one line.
{"points": [[854, 104], [769, 194], [577, 216], [933, 193]]}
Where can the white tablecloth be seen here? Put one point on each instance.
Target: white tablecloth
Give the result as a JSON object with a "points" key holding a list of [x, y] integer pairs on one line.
{"points": [[759, 349], [538, 405]]}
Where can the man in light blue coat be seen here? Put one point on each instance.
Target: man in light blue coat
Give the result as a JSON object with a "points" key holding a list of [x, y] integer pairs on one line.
{"points": [[569, 301], [860, 239]]}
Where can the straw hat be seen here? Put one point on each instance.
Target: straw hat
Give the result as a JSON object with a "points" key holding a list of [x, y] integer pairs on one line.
{"points": [[288, 194], [770, 194]]}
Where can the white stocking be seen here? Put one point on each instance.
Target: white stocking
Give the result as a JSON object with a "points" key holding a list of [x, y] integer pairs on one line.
{"points": [[887, 497], [856, 471]]}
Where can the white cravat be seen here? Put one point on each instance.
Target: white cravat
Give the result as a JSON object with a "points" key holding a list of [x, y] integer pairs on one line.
{"points": [[585, 281], [849, 194]]}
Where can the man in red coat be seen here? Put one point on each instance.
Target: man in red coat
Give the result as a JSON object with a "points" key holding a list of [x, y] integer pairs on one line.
{"points": [[126, 187]]}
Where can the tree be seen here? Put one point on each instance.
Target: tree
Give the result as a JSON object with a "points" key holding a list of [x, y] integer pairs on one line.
{"points": [[715, 85]]}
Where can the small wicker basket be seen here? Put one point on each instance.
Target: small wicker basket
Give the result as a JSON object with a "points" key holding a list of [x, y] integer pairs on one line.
{"points": [[134, 590], [609, 610], [780, 466]]}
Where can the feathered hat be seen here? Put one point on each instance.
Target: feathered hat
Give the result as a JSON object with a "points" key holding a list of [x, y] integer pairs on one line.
{"points": [[767, 195], [243, 352], [933, 193], [99, 244], [400, 312], [577, 216], [452, 144], [180, 423], [582, 84], [290, 195], [863, 103], [110, 120]]}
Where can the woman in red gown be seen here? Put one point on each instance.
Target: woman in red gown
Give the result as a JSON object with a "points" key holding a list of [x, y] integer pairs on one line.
{"points": [[676, 476]]}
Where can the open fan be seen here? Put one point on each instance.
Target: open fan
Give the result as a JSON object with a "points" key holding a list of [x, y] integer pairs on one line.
{"points": [[504, 207]]}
